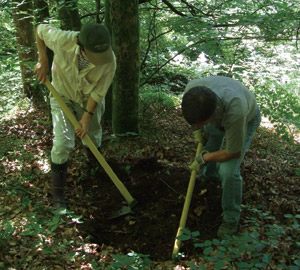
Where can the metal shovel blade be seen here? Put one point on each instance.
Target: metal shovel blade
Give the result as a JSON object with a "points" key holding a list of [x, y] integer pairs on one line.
{"points": [[125, 210]]}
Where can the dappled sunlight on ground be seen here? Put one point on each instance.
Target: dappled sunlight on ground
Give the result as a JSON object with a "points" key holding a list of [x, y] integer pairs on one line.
{"points": [[154, 168], [265, 122]]}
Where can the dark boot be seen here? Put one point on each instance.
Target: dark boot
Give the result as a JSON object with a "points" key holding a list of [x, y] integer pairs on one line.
{"points": [[59, 176]]}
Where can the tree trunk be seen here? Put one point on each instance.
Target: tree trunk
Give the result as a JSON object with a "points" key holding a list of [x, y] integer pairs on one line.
{"points": [[42, 15], [98, 8], [108, 99], [68, 14], [23, 20], [41, 11], [125, 37]]}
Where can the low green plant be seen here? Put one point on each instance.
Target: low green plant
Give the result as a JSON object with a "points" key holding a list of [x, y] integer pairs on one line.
{"points": [[128, 169], [158, 96], [131, 261], [188, 235], [257, 248]]}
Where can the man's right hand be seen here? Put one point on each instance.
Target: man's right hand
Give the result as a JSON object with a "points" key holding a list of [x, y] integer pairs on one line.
{"points": [[41, 70]]}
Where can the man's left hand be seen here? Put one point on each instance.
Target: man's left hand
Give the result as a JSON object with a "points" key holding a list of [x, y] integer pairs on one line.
{"points": [[198, 162], [195, 166]]}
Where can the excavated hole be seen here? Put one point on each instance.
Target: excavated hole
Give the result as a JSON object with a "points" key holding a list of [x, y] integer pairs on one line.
{"points": [[160, 192]]}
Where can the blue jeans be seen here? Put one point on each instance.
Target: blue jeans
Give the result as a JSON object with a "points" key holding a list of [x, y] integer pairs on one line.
{"points": [[229, 171]]}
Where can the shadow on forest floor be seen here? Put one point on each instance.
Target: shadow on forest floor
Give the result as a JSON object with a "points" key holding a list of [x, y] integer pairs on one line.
{"points": [[152, 227], [154, 168]]}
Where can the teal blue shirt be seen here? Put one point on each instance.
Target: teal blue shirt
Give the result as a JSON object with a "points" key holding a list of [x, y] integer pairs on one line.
{"points": [[236, 106]]}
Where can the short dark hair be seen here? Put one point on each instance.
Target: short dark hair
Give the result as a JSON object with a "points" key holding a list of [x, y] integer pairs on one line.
{"points": [[198, 104]]}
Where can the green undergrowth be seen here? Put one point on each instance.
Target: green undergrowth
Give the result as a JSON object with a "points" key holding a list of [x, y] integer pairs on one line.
{"points": [[273, 246], [30, 234], [280, 103], [12, 98], [34, 237]]}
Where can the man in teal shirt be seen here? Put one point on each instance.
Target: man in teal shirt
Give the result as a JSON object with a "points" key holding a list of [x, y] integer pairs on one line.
{"points": [[228, 112]]}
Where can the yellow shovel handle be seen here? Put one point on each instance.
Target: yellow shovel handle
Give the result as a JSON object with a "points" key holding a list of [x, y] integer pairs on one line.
{"points": [[92, 147], [186, 206]]}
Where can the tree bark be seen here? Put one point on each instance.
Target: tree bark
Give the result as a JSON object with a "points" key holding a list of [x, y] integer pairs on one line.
{"points": [[23, 20], [98, 7], [108, 99], [68, 15], [125, 39], [41, 11], [42, 15]]}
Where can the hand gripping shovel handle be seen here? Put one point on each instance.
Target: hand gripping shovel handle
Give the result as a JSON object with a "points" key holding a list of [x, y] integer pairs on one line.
{"points": [[131, 202], [186, 207]]}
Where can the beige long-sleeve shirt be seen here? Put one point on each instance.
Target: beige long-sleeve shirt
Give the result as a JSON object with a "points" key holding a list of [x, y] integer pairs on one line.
{"points": [[71, 83]]}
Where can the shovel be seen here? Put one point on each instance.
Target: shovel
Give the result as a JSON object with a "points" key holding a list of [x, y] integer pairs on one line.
{"points": [[186, 206], [120, 186]]}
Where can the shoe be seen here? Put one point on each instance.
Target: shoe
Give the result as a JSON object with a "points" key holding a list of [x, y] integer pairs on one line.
{"points": [[227, 229]]}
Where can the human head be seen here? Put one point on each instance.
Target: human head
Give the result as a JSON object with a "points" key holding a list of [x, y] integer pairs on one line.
{"points": [[95, 40], [198, 105]]}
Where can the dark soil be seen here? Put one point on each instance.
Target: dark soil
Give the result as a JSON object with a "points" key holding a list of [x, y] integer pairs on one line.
{"points": [[152, 226]]}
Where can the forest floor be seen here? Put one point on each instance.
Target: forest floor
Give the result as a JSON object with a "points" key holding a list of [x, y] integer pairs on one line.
{"points": [[154, 169]]}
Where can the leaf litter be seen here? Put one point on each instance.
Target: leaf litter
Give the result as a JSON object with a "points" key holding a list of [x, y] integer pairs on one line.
{"points": [[154, 168]]}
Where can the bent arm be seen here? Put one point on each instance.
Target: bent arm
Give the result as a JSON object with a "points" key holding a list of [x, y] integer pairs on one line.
{"points": [[41, 46], [91, 105], [86, 118], [42, 67], [220, 156]]}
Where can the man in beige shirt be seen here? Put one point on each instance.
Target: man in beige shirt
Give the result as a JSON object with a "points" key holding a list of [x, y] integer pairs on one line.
{"points": [[82, 71]]}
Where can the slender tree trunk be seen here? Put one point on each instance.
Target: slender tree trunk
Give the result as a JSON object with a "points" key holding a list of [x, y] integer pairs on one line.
{"points": [[23, 20], [98, 8], [68, 15], [125, 33], [108, 99], [42, 15]]}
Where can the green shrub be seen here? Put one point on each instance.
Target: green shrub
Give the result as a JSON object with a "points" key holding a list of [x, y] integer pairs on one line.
{"points": [[257, 248], [281, 104]]}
